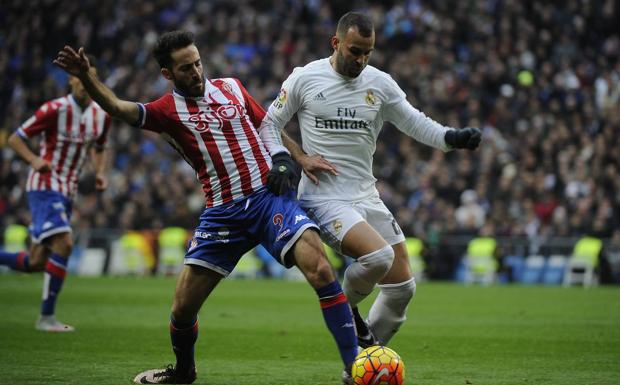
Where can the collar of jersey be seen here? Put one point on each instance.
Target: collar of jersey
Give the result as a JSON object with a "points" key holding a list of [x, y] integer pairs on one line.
{"points": [[76, 104], [341, 76], [179, 93]]}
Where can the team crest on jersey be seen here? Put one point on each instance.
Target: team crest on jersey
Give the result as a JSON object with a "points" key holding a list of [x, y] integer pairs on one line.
{"points": [[281, 99], [227, 87], [370, 98]]}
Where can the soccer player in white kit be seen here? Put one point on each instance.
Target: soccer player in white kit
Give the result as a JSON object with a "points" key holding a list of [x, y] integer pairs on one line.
{"points": [[341, 104]]}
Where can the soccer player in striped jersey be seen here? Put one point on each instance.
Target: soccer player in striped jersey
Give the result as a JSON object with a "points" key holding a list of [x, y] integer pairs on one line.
{"points": [[341, 104], [213, 124], [72, 127]]}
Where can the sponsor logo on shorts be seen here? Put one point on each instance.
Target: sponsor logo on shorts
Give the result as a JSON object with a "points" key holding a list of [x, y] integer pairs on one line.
{"points": [[299, 218], [283, 234], [193, 244], [221, 236]]}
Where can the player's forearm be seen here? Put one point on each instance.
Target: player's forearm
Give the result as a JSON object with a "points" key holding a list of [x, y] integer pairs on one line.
{"points": [[417, 125], [99, 159], [21, 148], [105, 97], [293, 147], [270, 136]]}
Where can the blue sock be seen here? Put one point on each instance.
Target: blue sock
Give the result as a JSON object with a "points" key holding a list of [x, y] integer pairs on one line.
{"points": [[16, 261], [54, 276], [184, 336], [339, 320]]}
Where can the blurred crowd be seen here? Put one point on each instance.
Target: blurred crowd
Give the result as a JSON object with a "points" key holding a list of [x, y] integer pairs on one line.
{"points": [[541, 79]]}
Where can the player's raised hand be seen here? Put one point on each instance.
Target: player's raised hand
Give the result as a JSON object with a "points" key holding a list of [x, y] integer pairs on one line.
{"points": [[74, 63], [41, 165], [311, 164]]}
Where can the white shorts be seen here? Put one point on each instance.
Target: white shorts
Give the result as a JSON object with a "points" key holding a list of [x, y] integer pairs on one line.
{"points": [[336, 218]]}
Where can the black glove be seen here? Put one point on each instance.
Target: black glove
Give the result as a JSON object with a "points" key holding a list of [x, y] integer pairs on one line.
{"points": [[282, 174], [468, 138]]}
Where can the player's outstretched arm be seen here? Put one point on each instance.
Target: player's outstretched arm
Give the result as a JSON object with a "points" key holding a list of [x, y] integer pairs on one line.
{"points": [[77, 64]]}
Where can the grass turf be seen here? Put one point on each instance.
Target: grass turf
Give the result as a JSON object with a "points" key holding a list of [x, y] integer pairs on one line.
{"points": [[272, 333]]}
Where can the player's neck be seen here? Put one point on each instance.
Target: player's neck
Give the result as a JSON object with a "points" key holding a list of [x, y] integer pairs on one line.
{"points": [[332, 62], [82, 102]]}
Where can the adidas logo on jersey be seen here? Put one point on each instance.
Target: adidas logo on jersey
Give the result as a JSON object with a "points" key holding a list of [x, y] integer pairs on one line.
{"points": [[319, 97]]}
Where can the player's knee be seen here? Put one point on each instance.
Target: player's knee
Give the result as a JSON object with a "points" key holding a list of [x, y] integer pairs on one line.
{"points": [[400, 294], [62, 245], [318, 272], [37, 264], [378, 263], [183, 310], [311, 259]]}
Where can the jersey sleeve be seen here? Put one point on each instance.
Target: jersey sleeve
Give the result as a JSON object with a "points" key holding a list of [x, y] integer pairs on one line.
{"points": [[409, 120], [44, 118], [281, 110], [153, 115], [254, 110]]}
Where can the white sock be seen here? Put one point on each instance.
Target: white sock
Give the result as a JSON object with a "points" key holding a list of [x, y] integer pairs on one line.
{"points": [[362, 275], [389, 311]]}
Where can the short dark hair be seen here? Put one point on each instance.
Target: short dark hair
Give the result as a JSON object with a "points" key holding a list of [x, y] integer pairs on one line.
{"points": [[355, 19], [169, 42]]}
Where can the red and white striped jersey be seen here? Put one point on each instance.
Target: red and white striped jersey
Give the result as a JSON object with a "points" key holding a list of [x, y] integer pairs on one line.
{"points": [[217, 134], [68, 133]]}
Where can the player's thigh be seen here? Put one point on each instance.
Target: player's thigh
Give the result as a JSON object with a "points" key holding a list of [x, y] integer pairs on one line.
{"points": [[344, 228], [400, 270], [381, 219], [194, 285], [309, 256], [282, 226], [38, 256], [61, 244], [362, 239], [220, 239]]}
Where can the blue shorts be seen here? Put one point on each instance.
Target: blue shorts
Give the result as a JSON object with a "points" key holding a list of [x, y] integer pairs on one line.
{"points": [[227, 232], [51, 214]]}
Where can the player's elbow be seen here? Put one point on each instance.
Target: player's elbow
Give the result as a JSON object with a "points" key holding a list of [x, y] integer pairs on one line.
{"points": [[14, 140]]}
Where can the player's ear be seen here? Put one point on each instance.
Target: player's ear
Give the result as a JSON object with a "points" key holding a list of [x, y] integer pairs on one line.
{"points": [[165, 72], [335, 42]]}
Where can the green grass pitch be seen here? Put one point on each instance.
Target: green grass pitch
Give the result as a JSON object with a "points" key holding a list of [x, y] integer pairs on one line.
{"points": [[272, 333]]}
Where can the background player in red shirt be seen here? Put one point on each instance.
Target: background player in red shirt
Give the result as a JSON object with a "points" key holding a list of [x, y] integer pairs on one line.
{"points": [[71, 127], [213, 124]]}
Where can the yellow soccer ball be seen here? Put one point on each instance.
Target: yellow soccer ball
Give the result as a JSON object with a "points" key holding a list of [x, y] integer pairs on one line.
{"points": [[378, 365]]}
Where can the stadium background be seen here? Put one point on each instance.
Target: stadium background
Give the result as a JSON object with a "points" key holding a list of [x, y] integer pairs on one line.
{"points": [[541, 79]]}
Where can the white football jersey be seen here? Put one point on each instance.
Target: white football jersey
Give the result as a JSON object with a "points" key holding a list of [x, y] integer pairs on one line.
{"points": [[340, 119]]}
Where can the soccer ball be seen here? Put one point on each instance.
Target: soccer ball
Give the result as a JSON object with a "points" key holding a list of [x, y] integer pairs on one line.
{"points": [[378, 365]]}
